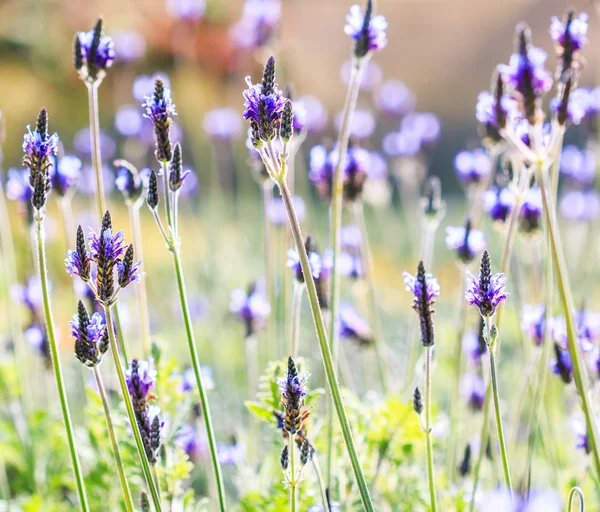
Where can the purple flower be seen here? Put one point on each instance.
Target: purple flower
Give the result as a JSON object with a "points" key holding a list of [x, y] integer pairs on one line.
{"points": [[570, 33], [159, 107], [293, 388], [533, 322], [94, 53], [128, 271], [257, 24], [250, 307], [129, 121], [223, 124], [354, 327], [91, 337], [562, 365], [498, 202], [264, 104], [530, 216], [369, 33], [395, 98], [578, 166], [472, 389], [424, 125], [129, 45], [141, 378], [425, 289], [474, 345], [362, 125], [39, 146], [371, 76], [401, 144], [188, 379], [576, 106], [466, 241], [486, 291], [35, 335], [30, 294], [316, 113], [472, 166], [17, 185], [191, 10], [65, 174], [83, 145], [128, 183], [231, 454], [189, 441], [293, 262], [579, 429], [580, 205], [487, 114], [277, 213], [300, 119]]}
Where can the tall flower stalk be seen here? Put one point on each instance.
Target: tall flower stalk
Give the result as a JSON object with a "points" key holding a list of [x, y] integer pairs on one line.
{"points": [[159, 109], [368, 33], [425, 289], [270, 116], [39, 146], [115, 269]]}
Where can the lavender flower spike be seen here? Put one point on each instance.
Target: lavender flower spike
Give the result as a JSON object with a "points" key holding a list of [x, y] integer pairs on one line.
{"points": [[425, 289], [91, 336], [78, 261], [569, 37], [466, 241], [264, 104], [293, 387], [487, 290], [93, 54], [159, 109], [368, 31]]}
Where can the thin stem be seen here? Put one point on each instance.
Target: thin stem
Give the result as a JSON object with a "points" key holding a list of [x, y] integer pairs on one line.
{"points": [[266, 190], [108, 312], [165, 175], [494, 383], [292, 482], [325, 347], [142, 295], [579, 371], [95, 142], [483, 438], [210, 434], [576, 491], [113, 441], [321, 482], [296, 309], [455, 390], [156, 479], [368, 266], [335, 229], [428, 430], [58, 375], [251, 346]]}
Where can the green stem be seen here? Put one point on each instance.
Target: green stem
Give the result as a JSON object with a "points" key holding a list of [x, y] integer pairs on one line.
{"points": [[108, 312], [156, 479], [266, 189], [292, 482], [96, 152], [321, 482], [165, 175], [210, 434], [367, 259], [58, 375], [335, 229], [572, 493], [564, 287], [113, 441], [325, 347], [428, 434], [142, 294], [296, 309], [494, 384]]}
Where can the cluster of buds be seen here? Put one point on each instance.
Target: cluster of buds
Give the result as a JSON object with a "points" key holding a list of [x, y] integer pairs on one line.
{"points": [[113, 261], [93, 54], [90, 335]]}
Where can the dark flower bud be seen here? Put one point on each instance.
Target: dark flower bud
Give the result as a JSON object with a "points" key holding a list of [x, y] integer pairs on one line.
{"points": [[432, 202], [563, 107], [418, 401], [268, 80], [284, 459], [38, 199], [306, 452], [128, 181], [155, 433], [106, 221], [41, 125], [152, 198], [82, 254], [127, 270], [144, 502], [177, 176], [500, 113], [465, 466], [562, 366], [361, 47], [159, 109], [287, 119], [93, 53], [77, 53]]}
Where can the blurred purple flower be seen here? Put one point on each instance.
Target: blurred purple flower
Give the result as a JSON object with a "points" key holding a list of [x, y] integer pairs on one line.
{"points": [[530, 216], [562, 365], [376, 37], [424, 125], [354, 327], [223, 124], [500, 500], [129, 121], [83, 145], [473, 345], [190, 442], [257, 25], [525, 70], [65, 174], [104, 55], [485, 111], [401, 144], [293, 262], [576, 107], [378, 167], [251, 306], [580, 205], [231, 454], [277, 213], [578, 166], [466, 243], [533, 321], [86, 184], [191, 10], [472, 166], [472, 389], [129, 45], [362, 125], [371, 76], [30, 294], [188, 379], [316, 113], [395, 98], [575, 31], [498, 202], [17, 185]]}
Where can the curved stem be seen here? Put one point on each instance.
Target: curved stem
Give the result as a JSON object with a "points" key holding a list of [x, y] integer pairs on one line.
{"points": [[58, 375], [325, 348], [113, 441], [494, 384], [428, 435], [108, 312], [368, 266], [95, 143], [296, 309], [142, 295], [167, 194], [210, 433], [335, 228], [266, 190], [572, 493]]}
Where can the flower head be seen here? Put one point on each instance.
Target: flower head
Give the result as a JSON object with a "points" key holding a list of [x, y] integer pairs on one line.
{"points": [[533, 322], [251, 307], [569, 37], [425, 289], [264, 104], [530, 216], [176, 173], [65, 174], [465, 241], [472, 389], [128, 181], [190, 442], [91, 336], [498, 202], [257, 25], [141, 378], [314, 260], [368, 31], [354, 327], [293, 388], [493, 110], [574, 110], [472, 166], [474, 345], [562, 365], [159, 109], [486, 291], [93, 53]]}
